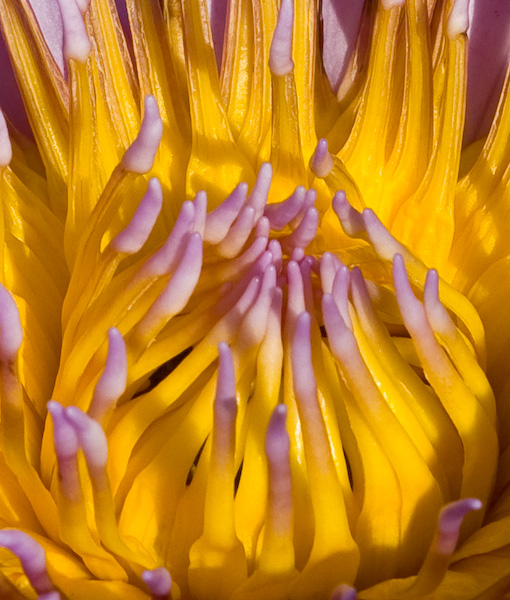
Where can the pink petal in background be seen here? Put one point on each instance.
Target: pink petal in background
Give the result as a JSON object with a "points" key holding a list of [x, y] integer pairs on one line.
{"points": [[489, 53]]}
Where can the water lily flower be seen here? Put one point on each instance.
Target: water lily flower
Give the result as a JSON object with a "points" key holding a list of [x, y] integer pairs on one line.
{"points": [[254, 333]]}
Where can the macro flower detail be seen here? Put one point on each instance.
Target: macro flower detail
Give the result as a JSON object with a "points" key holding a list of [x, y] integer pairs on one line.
{"points": [[253, 333]]}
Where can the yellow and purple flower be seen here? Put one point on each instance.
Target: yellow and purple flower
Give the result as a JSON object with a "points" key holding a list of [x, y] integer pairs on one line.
{"points": [[253, 334]]}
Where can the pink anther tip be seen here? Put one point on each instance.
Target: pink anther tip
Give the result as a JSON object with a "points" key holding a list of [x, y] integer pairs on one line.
{"points": [[139, 157], [344, 592], [321, 162], [158, 581], [450, 520], [76, 41], [90, 436], [5, 143], [280, 54], [11, 332], [64, 436], [112, 382], [133, 237], [226, 387], [277, 439], [32, 557]]}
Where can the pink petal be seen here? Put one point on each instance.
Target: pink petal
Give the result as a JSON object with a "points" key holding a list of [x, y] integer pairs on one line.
{"points": [[341, 19], [489, 52]]}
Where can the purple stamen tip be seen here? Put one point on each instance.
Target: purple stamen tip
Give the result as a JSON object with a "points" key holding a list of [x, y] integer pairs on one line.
{"points": [[277, 438], [32, 557], [321, 162], [344, 592], [90, 436], [352, 221], [112, 382], [11, 332], [450, 520], [280, 54], [76, 41], [139, 157], [226, 387], [64, 436], [5, 143], [159, 582], [134, 236], [458, 21]]}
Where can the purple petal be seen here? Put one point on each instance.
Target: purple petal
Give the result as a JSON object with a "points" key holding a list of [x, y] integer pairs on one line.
{"points": [[489, 52], [341, 20]]}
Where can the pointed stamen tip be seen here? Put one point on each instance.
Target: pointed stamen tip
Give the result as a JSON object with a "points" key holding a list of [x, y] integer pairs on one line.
{"points": [[131, 239], [5, 143], [11, 332], [450, 520], [32, 557], [64, 436], [458, 21], [436, 313], [139, 157], [159, 582], [277, 442], [90, 436], [280, 54], [344, 592], [112, 382], [389, 4], [352, 221], [321, 162], [76, 41], [226, 386]]}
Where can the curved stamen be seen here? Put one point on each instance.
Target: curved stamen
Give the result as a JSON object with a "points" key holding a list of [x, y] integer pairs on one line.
{"points": [[254, 325], [112, 382], [340, 293], [66, 448], [219, 221], [175, 295], [91, 438], [165, 260], [32, 557], [217, 558], [11, 332], [200, 203], [277, 553], [76, 41], [329, 265], [280, 54], [321, 162], [260, 192], [139, 157], [5, 143], [305, 231], [238, 234], [159, 583], [443, 545], [351, 220], [282, 213], [132, 238], [458, 21]]}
